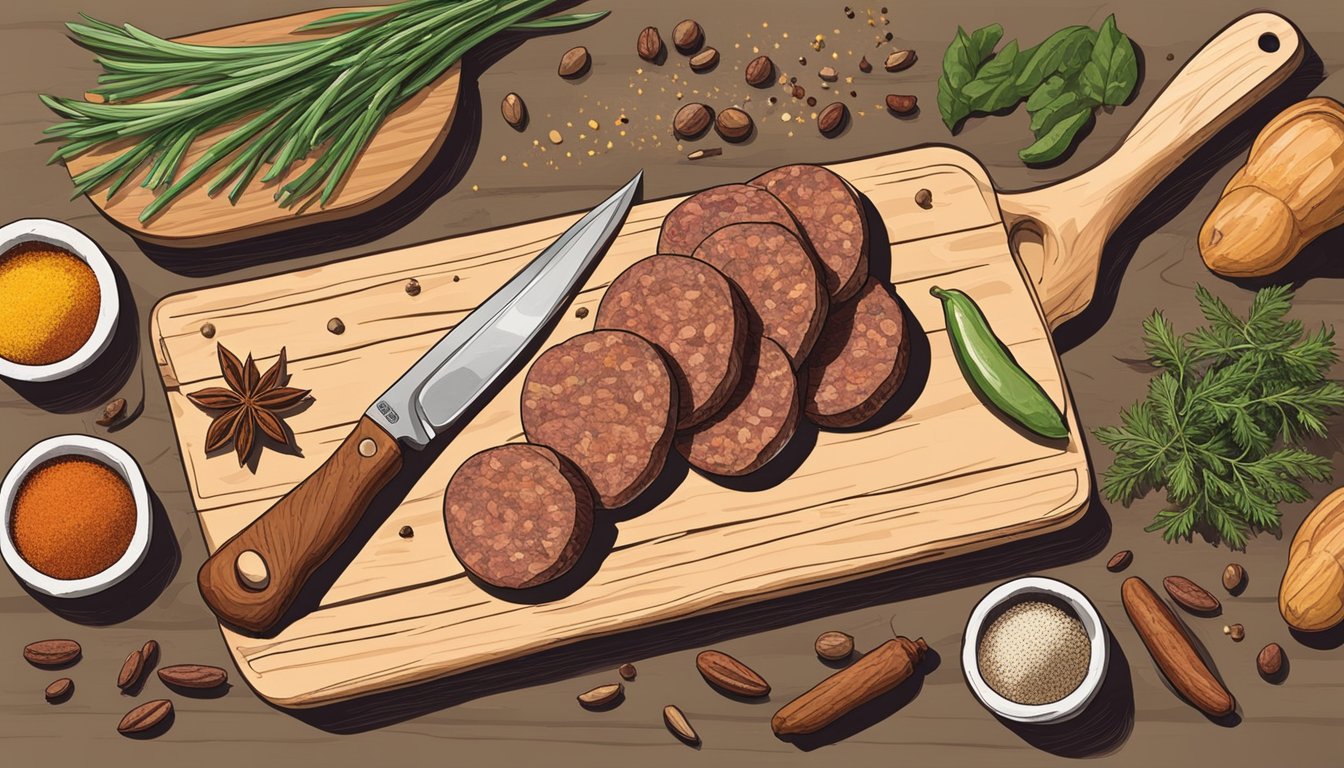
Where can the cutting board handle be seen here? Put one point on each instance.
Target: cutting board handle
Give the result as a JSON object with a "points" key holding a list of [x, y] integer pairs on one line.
{"points": [[1058, 232]]}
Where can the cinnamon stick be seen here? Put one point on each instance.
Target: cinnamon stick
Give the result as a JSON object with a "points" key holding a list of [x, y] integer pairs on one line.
{"points": [[879, 671], [1173, 651]]}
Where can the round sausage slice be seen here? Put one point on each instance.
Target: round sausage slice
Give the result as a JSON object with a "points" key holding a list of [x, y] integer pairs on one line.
{"points": [[701, 214], [756, 424], [832, 219], [518, 515], [777, 278], [690, 311], [860, 359], [606, 400]]}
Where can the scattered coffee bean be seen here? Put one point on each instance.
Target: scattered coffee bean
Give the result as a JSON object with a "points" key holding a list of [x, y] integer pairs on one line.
{"points": [[582, 312], [902, 104], [131, 670], [1120, 560], [145, 716], [627, 671], [733, 124], [831, 120], [112, 412], [406, 532], [1233, 577], [59, 690], [412, 287], [705, 60], [150, 653], [514, 111], [1190, 595], [730, 675], [688, 36], [1270, 660], [899, 60], [52, 653], [864, 65], [602, 696], [760, 71], [692, 120], [336, 326], [676, 722], [924, 199], [650, 44], [574, 62], [834, 646], [208, 330]]}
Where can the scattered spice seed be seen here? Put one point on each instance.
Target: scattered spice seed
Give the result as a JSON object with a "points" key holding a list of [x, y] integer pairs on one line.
{"points": [[146, 716], [456, 278], [336, 326], [131, 670], [705, 60], [412, 287], [1120, 560], [602, 696], [1233, 576], [574, 62], [1170, 56], [406, 532], [834, 646], [811, 101], [59, 690], [112, 412], [901, 104], [650, 44], [924, 199], [688, 36], [208, 330], [627, 671], [581, 312], [1237, 632], [832, 118], [899, 60], [828, 74], [798, 92], [759, 71], [733, 124], [1270, 660], [676, 722], [849, 12], [514, 111], [555, 136], [150, 652], [865, 65]]}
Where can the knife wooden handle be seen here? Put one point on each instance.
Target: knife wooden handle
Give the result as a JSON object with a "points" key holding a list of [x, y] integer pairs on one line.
{"points": [[255, 576]]}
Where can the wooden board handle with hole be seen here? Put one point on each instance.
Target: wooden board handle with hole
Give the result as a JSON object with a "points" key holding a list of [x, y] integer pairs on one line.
{"points": [[1059, 231], [254, 577]]}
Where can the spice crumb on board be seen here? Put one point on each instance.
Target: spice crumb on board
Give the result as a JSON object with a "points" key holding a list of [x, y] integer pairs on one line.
{"points": [[73, 518], [1034, 653], [51, 302], [406, 532]]}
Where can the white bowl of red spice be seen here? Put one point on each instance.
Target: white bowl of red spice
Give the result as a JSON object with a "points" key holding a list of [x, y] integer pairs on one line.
{"points": [[60, 300], [1035, 651], [77, 516]]}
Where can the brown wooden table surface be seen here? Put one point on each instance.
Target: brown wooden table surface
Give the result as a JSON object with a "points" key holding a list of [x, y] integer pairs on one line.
{"points": [[1154, 262]]}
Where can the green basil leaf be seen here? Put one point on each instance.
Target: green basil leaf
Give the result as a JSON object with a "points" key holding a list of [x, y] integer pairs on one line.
{"points": [[1050, 56], [1057, 139], [1112, 70], [982, 93], [961, 62], [1047, 92], [1062, 106]]}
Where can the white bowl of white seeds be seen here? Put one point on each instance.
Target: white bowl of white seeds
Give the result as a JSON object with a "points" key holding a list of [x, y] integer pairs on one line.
{"points": [[1035, 651]]}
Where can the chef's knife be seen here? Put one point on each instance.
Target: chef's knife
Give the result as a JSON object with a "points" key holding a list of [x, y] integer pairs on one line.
{"points": [[254, 577]]}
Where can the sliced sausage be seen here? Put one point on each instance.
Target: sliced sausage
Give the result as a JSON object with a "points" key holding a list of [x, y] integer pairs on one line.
{"points": [[777, 278], [831, 217], [756, 424], [860, 359], [690, 311], [696, 217], [518, 515], [605, 400]]}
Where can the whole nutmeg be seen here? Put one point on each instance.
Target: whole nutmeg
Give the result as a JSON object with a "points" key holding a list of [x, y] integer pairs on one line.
{"points": [[834, 646], [688, 36], [705, 60], [514, 110], [902, 104], [1233, 577], [733, 124], [1270, 660], [831, 119], [574, 62], [650, 44], [692, 120], [760, 71]]}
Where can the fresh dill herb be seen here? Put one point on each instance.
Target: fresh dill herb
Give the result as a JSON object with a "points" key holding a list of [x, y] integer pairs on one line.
{"points": [[1224, 425]]}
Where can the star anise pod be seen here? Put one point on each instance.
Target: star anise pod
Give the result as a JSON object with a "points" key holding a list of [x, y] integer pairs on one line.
{"points": [[251, 404]]}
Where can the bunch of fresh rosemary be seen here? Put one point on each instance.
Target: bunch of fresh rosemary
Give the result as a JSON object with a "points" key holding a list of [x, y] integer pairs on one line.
{"points": [[326, 95], [1223, 426]]}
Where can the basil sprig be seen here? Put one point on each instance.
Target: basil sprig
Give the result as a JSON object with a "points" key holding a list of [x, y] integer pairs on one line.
{"points": [[1064, 80]]}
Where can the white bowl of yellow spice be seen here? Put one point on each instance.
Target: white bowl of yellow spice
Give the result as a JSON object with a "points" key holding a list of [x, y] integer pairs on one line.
{"points": [[1035, 651], [77, 517], [60, 300]]}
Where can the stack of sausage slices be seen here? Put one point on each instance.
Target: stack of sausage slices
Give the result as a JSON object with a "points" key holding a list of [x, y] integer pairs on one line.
{"points": [[757, 308]]}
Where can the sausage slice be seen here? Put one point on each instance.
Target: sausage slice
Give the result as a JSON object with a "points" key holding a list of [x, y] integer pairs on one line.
{"points": [[757, 422], [606, 400], [831, 217], [518, 515], [701, 214], [693, 315], [860, 359], [778, 279]]}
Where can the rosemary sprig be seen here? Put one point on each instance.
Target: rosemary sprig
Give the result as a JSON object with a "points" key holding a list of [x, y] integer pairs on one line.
{"points": [[1223, 426], [323, 97]]}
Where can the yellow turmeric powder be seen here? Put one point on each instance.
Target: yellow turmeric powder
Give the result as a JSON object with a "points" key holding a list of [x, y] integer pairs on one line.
{"points": [[48, 303]]}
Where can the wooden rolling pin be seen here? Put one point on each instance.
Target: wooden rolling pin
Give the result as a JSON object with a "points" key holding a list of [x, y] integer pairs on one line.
{"points": [[1173, 651], [880, 670]]}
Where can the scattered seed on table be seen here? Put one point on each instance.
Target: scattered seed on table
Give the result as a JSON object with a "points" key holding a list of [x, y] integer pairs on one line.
{"points": [[208, 330], [581, 312], [627, 671], [924, 199], [336, 326], [406, 532], [413, 287]]}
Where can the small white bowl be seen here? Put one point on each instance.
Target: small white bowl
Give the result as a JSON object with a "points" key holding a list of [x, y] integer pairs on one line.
{"points": [[111, 455], [1016, 591], [76, 242]]}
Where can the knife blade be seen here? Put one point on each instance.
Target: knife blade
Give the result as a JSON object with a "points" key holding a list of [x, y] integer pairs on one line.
{"points": [[252, 580]]}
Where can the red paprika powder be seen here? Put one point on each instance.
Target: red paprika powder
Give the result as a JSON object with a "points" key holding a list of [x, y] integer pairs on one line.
{"points": [[73, 517]]}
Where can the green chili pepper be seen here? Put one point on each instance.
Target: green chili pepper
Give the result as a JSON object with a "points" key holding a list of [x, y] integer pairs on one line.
{"points": [[991, 369]]}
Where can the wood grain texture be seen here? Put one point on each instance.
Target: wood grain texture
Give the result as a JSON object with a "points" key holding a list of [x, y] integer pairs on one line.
{"points": [[860, 502], [301, 531], [404, 145]]}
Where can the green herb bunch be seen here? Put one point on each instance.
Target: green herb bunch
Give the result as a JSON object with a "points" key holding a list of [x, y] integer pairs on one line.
{"points": [[326, 95], [1223, 425], [1064, 80]]}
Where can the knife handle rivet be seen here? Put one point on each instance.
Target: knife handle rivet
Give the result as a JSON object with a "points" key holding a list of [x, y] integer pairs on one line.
{"points": [[252, 571], [367, 448]]}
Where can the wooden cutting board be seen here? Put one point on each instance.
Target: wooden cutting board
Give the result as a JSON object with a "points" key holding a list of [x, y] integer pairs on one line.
{"points": [[947, 477], [408, 140]]}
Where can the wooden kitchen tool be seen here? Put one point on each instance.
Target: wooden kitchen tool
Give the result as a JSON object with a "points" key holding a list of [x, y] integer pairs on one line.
{"points": [[408, 140], [947, 477]]}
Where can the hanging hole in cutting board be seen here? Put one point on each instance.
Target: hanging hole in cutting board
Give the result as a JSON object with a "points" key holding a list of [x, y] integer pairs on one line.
{"points": [[1027, 243], [1269, 42]]}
